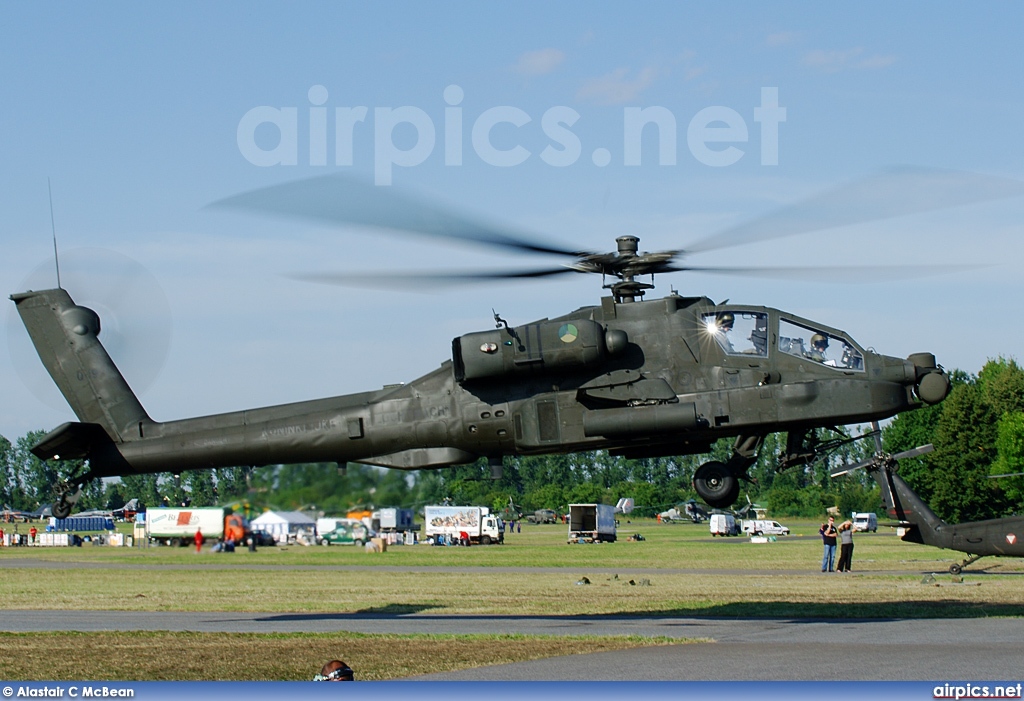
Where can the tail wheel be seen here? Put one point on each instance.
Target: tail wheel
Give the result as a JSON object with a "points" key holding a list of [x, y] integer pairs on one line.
{"points": [[955, 569], [61, 509], [716, 484]]}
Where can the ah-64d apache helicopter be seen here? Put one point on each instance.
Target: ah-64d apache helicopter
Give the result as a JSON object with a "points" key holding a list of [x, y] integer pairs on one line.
{"points": [[638, 378]]}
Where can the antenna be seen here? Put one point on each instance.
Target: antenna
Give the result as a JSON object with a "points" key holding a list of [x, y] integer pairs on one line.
{"points": [[53, 228]]}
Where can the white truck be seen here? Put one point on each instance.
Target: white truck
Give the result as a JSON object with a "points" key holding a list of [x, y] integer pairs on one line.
{"points": [[178, 526], [865, 521], [591, 523], [724, 525], [764, 527], [477, 522]]}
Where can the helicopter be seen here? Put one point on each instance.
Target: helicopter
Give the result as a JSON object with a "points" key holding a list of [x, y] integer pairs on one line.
{"points": [[632, 376], [999, 537]]}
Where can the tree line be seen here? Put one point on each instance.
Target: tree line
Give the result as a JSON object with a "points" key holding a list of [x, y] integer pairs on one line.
{"points": [[977, 431]]}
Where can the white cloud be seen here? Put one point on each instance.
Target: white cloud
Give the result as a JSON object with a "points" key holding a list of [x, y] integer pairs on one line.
{"points": [[781, 39], [617, 87], [539, 62], [835, 61]]}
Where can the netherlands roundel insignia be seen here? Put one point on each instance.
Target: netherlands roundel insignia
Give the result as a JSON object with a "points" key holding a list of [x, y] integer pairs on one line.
{"points": [[568, 333], [1011, 538]]}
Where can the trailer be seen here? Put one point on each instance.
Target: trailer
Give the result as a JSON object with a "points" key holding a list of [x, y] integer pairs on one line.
{"points": [[591, 523], [392, 520]]}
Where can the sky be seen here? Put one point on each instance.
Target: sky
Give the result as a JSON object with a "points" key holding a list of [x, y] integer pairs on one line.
{"points": [[524, 115]]}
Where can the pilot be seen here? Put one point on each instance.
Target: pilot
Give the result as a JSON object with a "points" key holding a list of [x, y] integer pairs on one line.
{"points": [[724, 322], [819, 347]]}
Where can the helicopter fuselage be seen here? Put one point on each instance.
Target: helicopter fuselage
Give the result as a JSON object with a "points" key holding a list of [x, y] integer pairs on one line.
{"points": [[663, 377]]}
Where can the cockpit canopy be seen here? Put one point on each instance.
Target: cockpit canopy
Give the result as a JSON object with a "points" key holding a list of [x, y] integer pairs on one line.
{"points": [[748, 333]]}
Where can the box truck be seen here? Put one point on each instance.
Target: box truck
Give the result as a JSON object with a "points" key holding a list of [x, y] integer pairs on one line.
{"points": [[591, 523], [476, 521], [178, 526]]}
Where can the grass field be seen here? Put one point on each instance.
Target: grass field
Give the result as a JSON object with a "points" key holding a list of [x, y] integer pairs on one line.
{"points": [[677, 570]]}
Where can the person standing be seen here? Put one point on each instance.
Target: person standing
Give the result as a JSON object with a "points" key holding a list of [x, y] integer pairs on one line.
{"points": [[828, 539], [845, 546], [32, 535], [199, 539]]}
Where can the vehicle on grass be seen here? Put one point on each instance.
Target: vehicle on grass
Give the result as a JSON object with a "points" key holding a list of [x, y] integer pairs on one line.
{"points": [[763, 527], [865, 521], [348, 533], [392, 520], [482, 527], [591, 523], [723, 525], [178, 526]]}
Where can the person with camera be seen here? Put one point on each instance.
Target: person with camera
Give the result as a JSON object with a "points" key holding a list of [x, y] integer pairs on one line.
{"points": [[828, 538]]}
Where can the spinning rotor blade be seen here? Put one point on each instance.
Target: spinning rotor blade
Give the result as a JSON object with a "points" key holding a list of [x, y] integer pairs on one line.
{"points": [[338, 200], [837, 274], [439, 279], [893, 193]]}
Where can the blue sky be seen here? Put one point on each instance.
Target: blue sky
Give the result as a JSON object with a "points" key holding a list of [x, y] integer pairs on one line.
{"points": [[133, 112]]}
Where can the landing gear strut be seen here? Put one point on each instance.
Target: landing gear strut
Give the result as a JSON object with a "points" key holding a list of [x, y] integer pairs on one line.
{"points": [[957, 569], [68, 493], [718, 483]]}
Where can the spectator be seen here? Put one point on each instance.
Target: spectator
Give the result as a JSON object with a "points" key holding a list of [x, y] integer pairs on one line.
{"points": [[335, 671], [199, 539], [845, 546], [828, 539]]}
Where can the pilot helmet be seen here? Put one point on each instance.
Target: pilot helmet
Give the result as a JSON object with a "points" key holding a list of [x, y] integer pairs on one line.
{"points": [[819, 341], [726, 320]]}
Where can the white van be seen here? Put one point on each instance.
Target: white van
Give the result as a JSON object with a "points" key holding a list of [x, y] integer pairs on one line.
{"points": [[764, 527], [865, 522], [724, 525]]}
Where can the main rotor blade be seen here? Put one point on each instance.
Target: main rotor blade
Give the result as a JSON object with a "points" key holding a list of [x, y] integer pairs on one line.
{"points": [[893, 193], [846, 469], [439, 279], [915, 452], [336, 200], [835, 274]]}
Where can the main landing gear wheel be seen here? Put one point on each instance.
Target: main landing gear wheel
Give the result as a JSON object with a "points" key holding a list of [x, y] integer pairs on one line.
{"points": [[716, 484], [61, 509]]}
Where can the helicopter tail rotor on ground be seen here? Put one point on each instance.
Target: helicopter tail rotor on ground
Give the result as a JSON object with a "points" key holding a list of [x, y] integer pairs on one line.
{"points": [[917, 523]]}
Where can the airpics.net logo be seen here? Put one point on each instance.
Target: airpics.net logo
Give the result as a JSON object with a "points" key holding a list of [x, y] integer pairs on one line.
{"points": [[715, 136]]}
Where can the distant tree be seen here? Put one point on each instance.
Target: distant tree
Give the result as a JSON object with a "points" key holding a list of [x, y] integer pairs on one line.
{"points": [[1010, 457]]}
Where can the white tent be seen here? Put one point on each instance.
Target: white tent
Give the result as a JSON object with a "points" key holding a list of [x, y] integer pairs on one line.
{"points": [[285, 526]]}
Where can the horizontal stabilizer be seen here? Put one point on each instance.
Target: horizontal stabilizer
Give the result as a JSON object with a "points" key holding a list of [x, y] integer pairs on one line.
{"points": [[70, 441]]}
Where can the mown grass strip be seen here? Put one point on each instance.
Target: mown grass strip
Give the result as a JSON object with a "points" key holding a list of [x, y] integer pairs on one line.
{"points": [[165, 656]]}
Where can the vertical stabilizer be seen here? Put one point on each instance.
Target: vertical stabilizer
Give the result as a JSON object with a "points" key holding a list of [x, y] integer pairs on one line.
{"points": [[66, 337], [903, 503]]}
